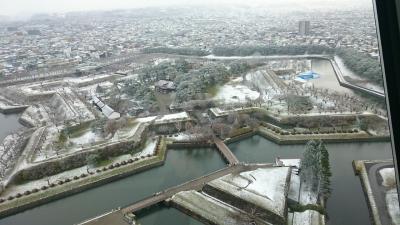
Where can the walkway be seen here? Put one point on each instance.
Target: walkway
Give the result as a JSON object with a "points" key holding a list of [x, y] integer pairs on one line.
{"points": [[225, 151], [344, 83], [196, 184]]}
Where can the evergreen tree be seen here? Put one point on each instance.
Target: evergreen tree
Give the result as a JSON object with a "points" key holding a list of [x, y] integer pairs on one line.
{"points": [[315, 166]]}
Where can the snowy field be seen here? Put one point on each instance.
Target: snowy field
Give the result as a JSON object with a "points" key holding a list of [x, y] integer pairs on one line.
{"points": [[264, 187], [388, 177], [88, 137], [233, 93]]}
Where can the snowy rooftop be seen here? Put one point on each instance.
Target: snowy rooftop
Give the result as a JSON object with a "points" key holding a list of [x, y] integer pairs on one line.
{"points": [[264, 187]]}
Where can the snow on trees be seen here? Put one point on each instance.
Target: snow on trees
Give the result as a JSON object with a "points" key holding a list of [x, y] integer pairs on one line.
{"points": [[315, 167]]}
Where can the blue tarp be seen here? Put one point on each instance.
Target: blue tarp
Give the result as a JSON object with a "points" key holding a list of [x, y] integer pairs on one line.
{"points": [[308, 75]]}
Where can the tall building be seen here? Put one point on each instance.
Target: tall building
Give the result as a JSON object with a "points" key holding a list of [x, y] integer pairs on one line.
{"points": [[304, 27]]}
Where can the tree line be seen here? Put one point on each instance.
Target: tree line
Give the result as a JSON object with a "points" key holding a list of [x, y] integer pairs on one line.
{"points": [[271, 50], [361, 64], [177, 51]]}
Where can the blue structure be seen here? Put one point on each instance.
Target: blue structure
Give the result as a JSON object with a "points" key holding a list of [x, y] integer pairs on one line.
{"points": [[305, 76]]}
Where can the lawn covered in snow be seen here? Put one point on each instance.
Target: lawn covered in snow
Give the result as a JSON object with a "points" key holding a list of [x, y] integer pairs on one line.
{"points": [[264, 187], [235, 93]]}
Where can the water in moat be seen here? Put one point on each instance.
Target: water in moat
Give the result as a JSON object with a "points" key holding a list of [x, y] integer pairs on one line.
{"points": [[165, 215], [8, 124], [180, 166], [347, 204]]}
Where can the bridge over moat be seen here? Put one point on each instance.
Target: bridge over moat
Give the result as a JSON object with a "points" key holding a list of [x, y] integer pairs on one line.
{"points": [[159, 197], [225, 151]]}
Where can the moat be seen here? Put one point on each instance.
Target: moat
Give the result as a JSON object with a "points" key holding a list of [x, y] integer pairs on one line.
{"points": [[184, 164]]}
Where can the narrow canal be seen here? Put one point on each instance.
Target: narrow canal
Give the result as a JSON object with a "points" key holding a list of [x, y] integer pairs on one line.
{"points": [[347, 204]]}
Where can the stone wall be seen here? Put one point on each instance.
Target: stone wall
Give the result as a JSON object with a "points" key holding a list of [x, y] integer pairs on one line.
{"points": [[245, 206]]}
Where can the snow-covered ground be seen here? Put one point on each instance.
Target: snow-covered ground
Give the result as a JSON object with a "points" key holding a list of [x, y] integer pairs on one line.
{"points": [[291, 162], [87, 79], [68, 106], [14, 189], [10, 151], [214, 210], [174, 116], [392, 204], [308, 217], [235, 93], [92, 88], [392, 201], [181, 137], [149, 148], [88, 137], [264, 187], [307, 195], [125, 132], [264, 82], [181, 116], [21, 188], [388, 177]]}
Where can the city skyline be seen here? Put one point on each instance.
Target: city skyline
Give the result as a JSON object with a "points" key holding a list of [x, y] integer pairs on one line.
{"points": [[24, 9]]}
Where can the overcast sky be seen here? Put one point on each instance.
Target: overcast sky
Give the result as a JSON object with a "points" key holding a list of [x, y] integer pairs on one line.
{"points": [[25, 7]]}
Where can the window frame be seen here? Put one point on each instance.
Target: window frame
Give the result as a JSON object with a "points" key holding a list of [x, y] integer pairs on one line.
{"points": [[387, 20]]}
